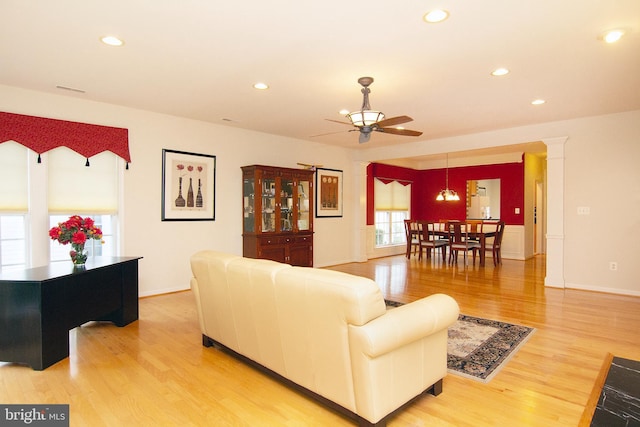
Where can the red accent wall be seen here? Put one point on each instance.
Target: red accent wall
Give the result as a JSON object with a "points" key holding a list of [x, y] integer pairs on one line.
{"points": [[427, 183]]}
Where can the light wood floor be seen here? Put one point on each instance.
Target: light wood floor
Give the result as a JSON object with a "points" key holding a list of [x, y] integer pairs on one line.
{"points": [[155, 372]]}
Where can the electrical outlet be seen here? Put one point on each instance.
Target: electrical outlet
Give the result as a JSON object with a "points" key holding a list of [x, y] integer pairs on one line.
{"points": [[613, 266]]}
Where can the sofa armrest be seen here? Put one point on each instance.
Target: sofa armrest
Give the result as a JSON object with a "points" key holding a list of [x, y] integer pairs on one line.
{"points": [[406, 324]]}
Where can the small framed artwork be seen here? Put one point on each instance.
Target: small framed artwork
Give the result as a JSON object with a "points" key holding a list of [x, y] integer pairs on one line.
{"points": [[328, 193], [188, 186]]}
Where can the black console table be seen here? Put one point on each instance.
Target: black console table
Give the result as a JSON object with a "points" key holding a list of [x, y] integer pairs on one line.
{"points": [[38, 306]]}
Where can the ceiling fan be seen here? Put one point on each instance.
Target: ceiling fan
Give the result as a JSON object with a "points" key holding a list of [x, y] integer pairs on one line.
{"points": [[367, 120]]}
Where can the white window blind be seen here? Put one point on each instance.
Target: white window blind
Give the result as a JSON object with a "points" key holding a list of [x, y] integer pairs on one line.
{"points": [[14, 177], [78, 189], [392, 196]]}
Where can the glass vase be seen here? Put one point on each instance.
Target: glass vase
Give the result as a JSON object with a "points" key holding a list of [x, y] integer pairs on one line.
{"points": [[78, 255]]}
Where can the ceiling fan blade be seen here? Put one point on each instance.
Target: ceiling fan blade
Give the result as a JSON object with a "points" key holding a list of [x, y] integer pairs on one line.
{"points": [[404, 132], [338, 121], [309, 166], [364, 137], [328, 133], [392, 121]]}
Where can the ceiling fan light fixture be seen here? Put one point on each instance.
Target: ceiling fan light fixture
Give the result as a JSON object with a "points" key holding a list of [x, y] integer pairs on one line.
{"points": [[365, 117]]}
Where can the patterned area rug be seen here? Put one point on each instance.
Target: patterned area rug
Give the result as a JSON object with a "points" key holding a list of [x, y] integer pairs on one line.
{"points": [[478, 348]]}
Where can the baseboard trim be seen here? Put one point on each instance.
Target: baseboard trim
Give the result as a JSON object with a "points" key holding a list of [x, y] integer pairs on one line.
{"points": [[603, 290]]}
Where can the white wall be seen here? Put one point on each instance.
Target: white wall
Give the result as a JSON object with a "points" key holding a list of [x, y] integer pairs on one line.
{"points": [[167, 246], [600, 172]]}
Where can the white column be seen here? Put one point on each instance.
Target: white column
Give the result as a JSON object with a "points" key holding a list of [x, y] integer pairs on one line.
{"points": [[360, 213], [555, 212]]}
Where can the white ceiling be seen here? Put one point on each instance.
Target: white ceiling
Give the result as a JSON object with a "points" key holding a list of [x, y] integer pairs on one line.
{"points": [[200, 58]]}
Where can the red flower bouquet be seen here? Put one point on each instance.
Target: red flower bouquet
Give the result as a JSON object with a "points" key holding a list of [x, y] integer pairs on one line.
{"points": [[76, 230]]}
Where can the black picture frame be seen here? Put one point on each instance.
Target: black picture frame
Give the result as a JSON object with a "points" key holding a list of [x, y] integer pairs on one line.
{"points": [[193, 199], [329, 186]]}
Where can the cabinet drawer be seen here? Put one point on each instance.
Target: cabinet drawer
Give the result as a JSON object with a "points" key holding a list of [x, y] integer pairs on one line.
{"points": [[303, 239], [267, 241]]}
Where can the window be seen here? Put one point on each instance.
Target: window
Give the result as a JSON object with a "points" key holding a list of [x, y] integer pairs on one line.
{"points": [[35, 193], [390, 227], [69, 188], [95, 194], [13, 205], [13, 242], [392, 207]]}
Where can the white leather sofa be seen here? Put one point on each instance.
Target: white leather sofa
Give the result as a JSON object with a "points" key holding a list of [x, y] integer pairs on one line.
{"points": [[324, 332]]}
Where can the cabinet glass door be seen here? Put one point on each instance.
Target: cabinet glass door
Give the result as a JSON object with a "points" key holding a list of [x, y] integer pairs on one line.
{"points": [[304, 206], [268, 204], [286, 204], [249, 205]]}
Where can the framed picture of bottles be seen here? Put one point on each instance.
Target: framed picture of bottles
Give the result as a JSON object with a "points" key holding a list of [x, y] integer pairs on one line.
{"points": [[328, 193], [188, 186]]}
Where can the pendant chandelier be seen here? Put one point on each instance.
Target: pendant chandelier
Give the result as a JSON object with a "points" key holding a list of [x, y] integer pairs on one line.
{"points": [[447, 195]]}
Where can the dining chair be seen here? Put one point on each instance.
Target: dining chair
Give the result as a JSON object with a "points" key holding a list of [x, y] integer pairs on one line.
{"points": [[495, 246], [412, 236], [442, 226], [429, 240], [474, 225], [459, 241]]}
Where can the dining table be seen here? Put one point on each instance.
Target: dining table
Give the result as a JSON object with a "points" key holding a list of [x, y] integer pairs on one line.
{"points": [[480, 235]]}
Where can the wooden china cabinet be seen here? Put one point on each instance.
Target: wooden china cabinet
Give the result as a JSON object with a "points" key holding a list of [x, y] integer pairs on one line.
{"points": [[278, 214]]}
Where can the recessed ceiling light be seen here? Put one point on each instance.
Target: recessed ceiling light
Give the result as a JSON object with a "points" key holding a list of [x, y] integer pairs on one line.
{"points": [[344, 112], [613, 36], [112, 41], [538, 101], [261, 86], [434, 16], [500, 72]]}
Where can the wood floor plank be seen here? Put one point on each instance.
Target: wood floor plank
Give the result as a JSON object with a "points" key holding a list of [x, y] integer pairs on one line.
{"points": [[156, 371]]}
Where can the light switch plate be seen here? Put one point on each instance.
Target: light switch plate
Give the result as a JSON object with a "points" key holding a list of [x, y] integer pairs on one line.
{"points": [[584, 210]]}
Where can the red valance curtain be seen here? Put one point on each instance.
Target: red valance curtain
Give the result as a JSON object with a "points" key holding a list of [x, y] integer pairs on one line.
{"points": [[41, 134], [386, 181]]}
